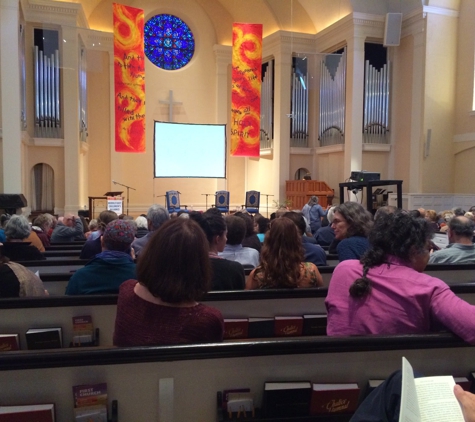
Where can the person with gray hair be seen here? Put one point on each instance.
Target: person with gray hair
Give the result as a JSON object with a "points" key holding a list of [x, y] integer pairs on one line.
{"points": [[41, 226], [351, 223], [142, 226], [15, 248], [314, 212], [460, 249], [156, 216]]}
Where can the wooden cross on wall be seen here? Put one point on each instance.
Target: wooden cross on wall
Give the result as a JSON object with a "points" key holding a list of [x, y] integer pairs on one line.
{"points": [[170, 104]]}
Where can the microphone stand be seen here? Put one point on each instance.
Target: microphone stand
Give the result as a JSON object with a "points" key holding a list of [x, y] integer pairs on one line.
{"points": [[267, 202], [128, 187], [207, 194]]}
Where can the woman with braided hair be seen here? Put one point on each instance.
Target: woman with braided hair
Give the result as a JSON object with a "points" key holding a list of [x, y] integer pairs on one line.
{"points": [[387, 293]]}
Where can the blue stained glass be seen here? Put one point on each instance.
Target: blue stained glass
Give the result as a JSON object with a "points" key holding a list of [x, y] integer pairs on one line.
{"points": [[169, 42]]}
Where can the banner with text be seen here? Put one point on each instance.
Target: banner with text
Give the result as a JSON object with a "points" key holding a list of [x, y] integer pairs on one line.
{"points": [[129, 79], [246, 90]]}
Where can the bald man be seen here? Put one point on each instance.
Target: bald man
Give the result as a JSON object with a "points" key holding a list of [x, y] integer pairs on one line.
{"points": [[461, 249], [67, 230]]}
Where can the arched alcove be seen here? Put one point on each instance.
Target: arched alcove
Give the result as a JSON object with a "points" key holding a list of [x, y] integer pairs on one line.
{"points": [[300, 173], [42, 188]]}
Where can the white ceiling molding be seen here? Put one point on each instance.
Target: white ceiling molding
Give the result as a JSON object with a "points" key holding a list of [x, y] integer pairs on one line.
{"points": [[54, 12]]}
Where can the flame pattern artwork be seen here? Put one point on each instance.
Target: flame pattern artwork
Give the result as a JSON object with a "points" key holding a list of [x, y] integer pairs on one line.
{"points": [[129, 79], [246, 90]]}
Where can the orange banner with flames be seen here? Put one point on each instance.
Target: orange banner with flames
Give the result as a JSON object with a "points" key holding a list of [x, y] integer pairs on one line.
{"points": [[246, 90], [129, 79]]}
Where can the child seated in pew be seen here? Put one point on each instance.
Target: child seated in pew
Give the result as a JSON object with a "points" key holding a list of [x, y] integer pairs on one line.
{"points": [[161, 308], [385, 292]]}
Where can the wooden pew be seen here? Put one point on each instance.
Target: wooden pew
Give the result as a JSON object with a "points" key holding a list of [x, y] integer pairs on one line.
{"points": [[20, 314], [149, 382]]}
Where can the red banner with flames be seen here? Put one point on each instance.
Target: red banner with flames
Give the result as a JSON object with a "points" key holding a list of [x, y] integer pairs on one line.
{"points": [[246, 90], [129, 79]]}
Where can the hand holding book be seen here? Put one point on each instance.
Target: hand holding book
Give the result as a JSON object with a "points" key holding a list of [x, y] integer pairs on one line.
{"points": [[467, 401]]}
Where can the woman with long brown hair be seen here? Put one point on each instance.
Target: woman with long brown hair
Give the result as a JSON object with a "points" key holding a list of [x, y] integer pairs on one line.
{"points": [[282, 263]]}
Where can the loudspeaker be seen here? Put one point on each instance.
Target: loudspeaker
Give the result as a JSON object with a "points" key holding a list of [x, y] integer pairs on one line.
{"points": [[10, 201], [392, 29]]}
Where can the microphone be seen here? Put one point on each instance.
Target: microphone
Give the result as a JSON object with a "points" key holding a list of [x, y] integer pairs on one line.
{"points": [[114, 182]]}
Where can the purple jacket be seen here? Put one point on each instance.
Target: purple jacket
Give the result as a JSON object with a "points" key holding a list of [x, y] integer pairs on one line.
{"points": [[401, 301]]}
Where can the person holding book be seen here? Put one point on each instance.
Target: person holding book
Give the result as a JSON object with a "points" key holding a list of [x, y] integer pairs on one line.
{"points": [[282, 260], [387, 293], [226, 274], [162, 307]]}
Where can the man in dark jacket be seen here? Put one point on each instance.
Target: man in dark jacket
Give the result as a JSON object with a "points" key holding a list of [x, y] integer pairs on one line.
{"points": [[68, 229]]}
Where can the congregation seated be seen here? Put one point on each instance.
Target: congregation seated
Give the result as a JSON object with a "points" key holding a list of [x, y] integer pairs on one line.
{"points": [[156, 216], [351, 224], [325, 235], [18, 281], [251, 240], [161, 308], [460, 249], [312, 253], [16, 247], [234, 250], [93, 244], [282, 260], [41, 226], [110, 268], [387, 293], [225, 274], [142, 227], [68, 229]]}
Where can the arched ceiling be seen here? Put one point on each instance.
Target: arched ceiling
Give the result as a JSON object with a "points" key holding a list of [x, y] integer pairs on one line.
{"points": [[305, 16]]}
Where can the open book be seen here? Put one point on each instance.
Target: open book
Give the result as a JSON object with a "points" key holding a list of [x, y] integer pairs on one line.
{"points": [[428, 399]]}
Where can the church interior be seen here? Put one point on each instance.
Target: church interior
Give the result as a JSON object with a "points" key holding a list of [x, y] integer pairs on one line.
{"points": [[423, 132]]}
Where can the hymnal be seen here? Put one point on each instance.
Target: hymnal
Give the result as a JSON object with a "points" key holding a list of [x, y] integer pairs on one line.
{"points": [[27, 413], [9, 342], [334, 398], [287, 398], [261, 327], [428, 398], [97, 413], [90, 394], [225, 395], [314, 325], [288, 326], [44, 338], [236, 328]]}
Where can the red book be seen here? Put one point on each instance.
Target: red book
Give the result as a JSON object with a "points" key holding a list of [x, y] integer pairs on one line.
{"points": [[334, 398], [288, 326], [236, 328], [27, 413], [9, 342]]}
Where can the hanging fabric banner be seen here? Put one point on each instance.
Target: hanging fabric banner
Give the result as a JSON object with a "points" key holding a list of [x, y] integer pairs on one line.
{"points": [[129, 79], [246, 90]]}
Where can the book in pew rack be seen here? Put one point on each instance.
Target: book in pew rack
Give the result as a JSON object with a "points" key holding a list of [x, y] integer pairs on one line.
{"points": [[44, 338], [290, 399], [428, 398], [9, 342], [90, 402], [334, 398], [235, 328], [28, 413]]}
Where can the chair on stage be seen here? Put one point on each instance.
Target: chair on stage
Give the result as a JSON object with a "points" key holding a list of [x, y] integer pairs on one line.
{"points": [[173, 201], [222, 201], [253, 199]]}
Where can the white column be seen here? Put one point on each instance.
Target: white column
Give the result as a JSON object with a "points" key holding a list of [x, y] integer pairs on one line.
{"points": [[282, 81], [417, 123], [70, 63], [223, 60], [354, 105], [10, 83]]}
